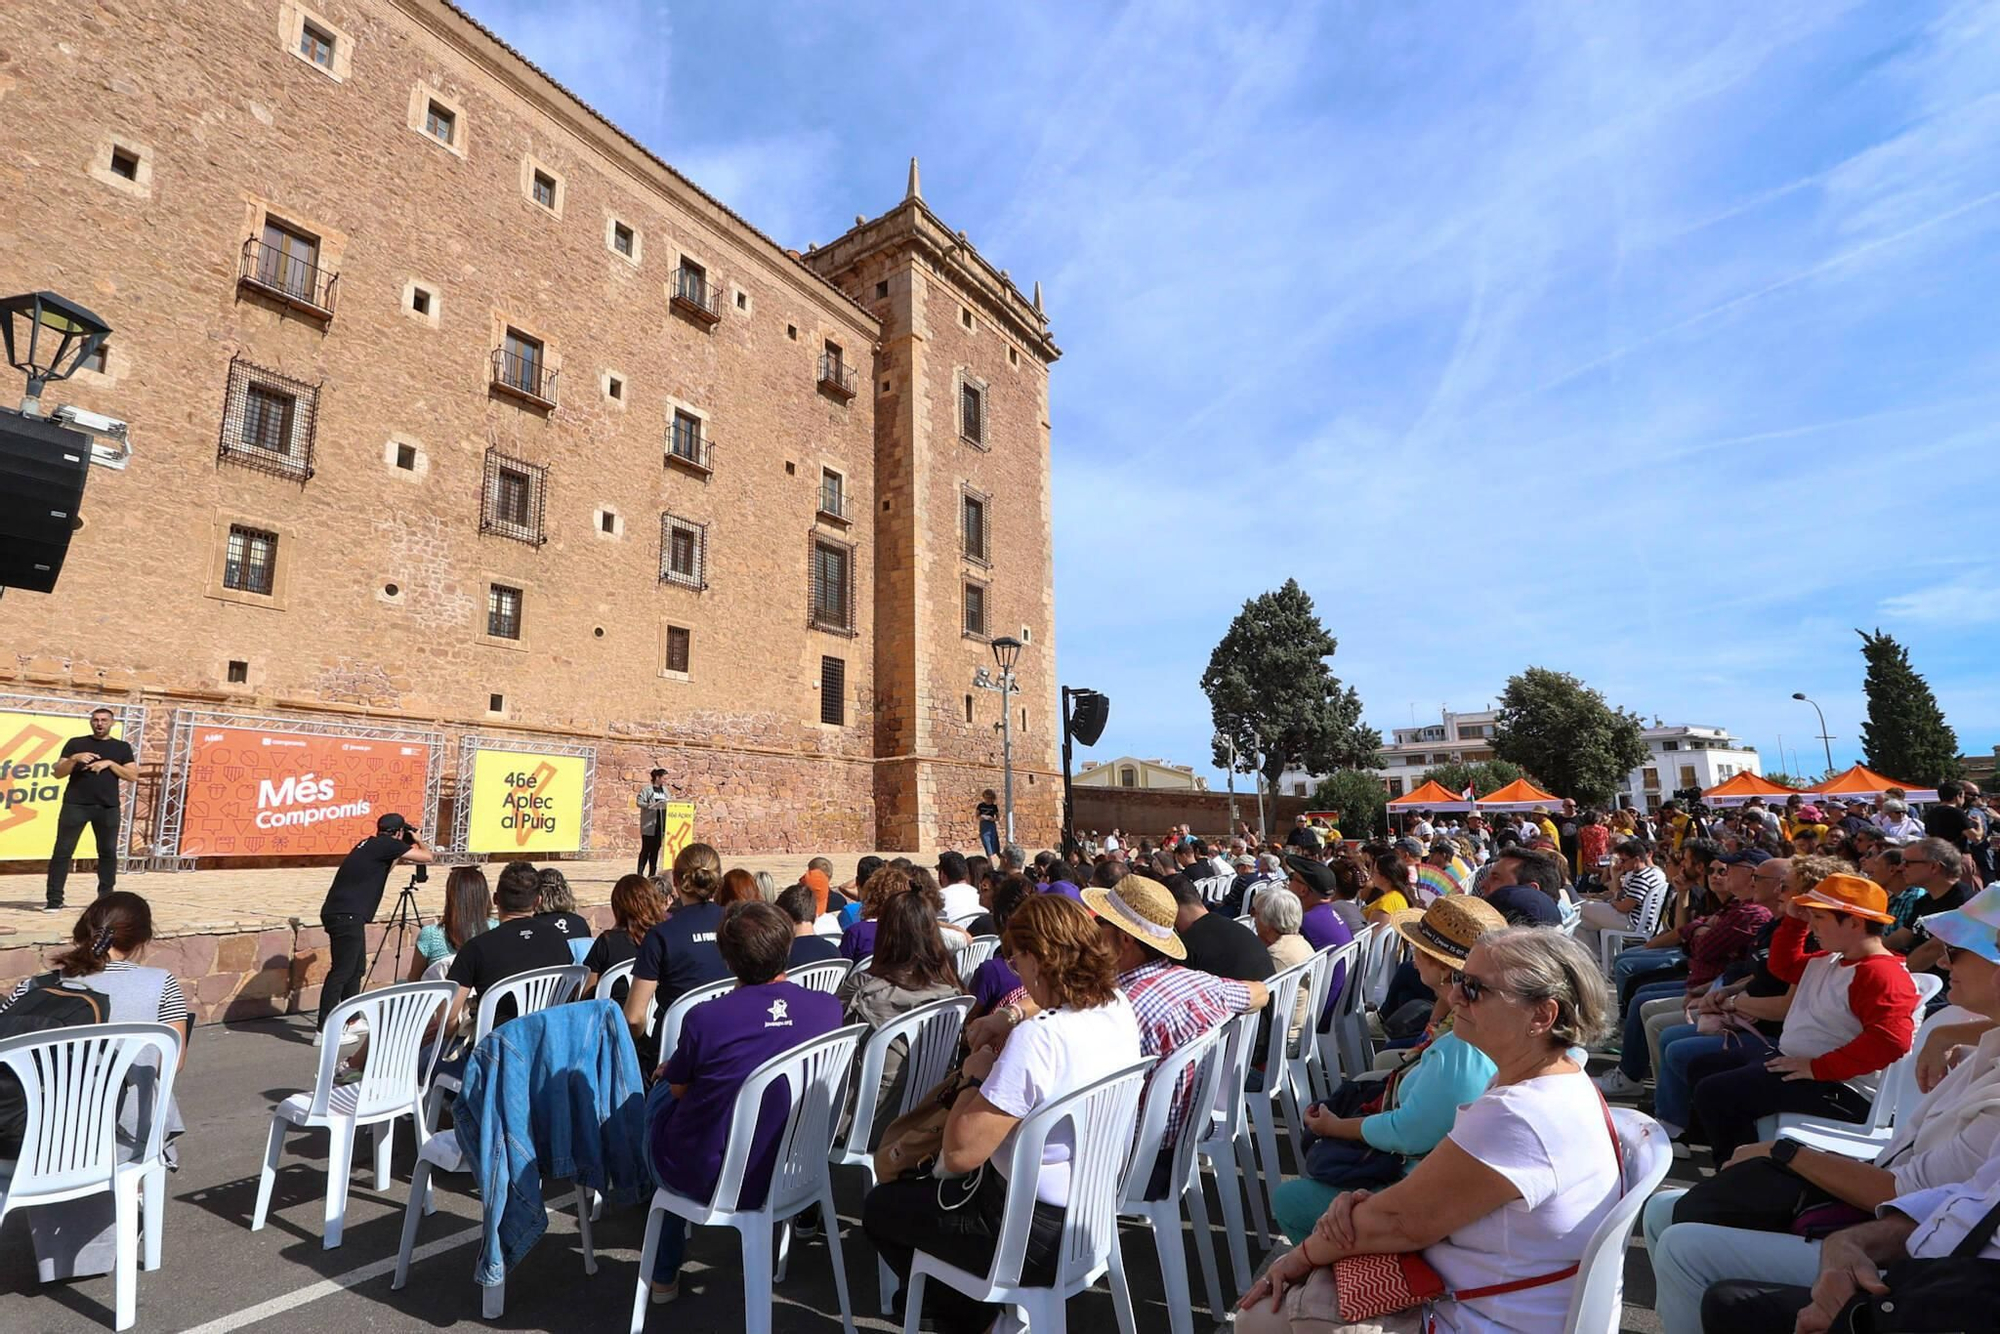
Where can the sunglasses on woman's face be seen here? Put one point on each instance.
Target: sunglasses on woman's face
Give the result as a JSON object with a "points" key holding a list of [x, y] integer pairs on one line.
{"points": [[1471, 986]]}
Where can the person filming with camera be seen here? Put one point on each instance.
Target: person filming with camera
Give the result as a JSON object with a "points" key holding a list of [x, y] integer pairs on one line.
{"points": [[352, 900]]}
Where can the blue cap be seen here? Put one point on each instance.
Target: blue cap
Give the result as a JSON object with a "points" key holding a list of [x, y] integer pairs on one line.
{"points": [[1975, 928]]}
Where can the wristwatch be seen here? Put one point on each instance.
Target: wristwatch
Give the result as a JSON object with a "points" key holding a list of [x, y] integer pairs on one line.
{"points": [[1784, 1151]]}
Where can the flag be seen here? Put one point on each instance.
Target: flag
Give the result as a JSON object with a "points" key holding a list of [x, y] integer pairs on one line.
{"points": [[1467, 794]]}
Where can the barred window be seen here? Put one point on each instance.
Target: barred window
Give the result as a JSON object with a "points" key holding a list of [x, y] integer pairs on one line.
{"points": [[679, 639], [267, 421], [683, 552], [511, 500], [503, 611], [833, 691], [250, 560], [975, 610], [832, 586], [972, 413], [972, 508]]}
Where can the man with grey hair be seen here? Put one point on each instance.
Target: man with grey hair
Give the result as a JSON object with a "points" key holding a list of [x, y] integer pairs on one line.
{"points": [[1937, 868], [1897, 824], [1262, 873], [1278, 919]]}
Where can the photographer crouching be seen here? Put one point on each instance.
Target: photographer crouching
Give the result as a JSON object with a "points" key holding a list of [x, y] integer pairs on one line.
{"points": [[354, 897]]}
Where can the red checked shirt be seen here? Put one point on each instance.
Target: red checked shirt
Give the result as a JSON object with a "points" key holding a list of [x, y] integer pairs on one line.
{"points": [[1718, 940], [1176, 1005]]}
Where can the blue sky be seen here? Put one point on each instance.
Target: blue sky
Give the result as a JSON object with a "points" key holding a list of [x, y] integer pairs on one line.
{"points": [[1653, 343]]}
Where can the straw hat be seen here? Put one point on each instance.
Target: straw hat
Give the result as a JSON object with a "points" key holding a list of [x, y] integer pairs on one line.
{"points": [[1448, 928], [1143, 909]]}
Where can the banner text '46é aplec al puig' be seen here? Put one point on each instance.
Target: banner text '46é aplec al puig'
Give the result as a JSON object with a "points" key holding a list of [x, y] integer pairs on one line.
{"points": [[525, 802]]}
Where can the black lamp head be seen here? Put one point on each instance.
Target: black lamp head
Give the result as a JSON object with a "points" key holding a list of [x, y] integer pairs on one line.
{"points": [[48, 336]]}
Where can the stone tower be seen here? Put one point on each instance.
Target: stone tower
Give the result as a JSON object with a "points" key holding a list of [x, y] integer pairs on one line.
{"points": [[962, 526]]}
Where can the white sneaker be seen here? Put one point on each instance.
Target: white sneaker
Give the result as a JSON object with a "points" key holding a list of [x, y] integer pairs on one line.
{"points": [[1616, 1084]]}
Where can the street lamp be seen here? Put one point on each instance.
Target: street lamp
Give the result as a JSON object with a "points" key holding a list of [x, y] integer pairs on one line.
{"points": [[1824, 740], [1228, 743], [1006, 653], [47, 338]]}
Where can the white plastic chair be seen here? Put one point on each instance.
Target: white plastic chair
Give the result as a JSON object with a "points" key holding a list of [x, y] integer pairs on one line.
{"points": [[816, 1074], [930, 1035], [669, 1023], [1345, 1048], [826, 975], [969, 957], [1321, 1051], [1287, 1081], [1226, 1146], [827, 924], [964, 920], [1895, 1091], [74, 1081], [536, 989], [1612, 941], [438, 968], [1596, 1294], [391, 1086], [1101, 1116], [1203, 1057], [611, 977]]}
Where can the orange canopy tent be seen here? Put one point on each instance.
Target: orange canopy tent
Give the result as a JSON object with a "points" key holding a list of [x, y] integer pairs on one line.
{"points": [[1861, 781], [1432, 796], [1519, 795], [1739, 789]]}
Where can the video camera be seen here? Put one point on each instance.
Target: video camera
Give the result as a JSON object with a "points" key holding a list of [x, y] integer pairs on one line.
{"points": [[1691, 802]]}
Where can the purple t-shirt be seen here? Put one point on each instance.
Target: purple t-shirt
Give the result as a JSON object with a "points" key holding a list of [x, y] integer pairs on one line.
{"points": [[858, 941], [1322, 927], [992, 982], [1064, 888], [721, 1043]]}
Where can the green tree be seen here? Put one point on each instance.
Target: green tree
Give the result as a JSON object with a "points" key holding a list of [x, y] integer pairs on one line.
{"points": [[1555, 726], [1906, 736], [1484, 775], [1790, 780], [1358, 796], [1271, 692]]}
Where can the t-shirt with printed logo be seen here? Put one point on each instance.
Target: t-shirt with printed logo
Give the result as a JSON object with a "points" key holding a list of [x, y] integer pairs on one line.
{"points": [[680, 953], [722, 1042]]}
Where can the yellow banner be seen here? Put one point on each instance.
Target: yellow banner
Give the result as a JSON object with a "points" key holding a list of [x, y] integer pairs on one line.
{"points": [[524, 802], [679, 830], [30, 793]]}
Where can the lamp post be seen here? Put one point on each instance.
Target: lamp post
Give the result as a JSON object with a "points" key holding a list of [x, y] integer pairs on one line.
{"points": [[1228, 743], [1824, 740], [1006, 653], [47, 338]]}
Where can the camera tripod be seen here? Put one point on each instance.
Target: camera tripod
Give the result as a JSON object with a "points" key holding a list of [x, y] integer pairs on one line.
{"points": [[405, 916]]}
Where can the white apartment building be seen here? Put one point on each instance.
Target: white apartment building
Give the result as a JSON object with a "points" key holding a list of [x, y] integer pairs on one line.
{"points": [[1466, 737], [1686, 756]]}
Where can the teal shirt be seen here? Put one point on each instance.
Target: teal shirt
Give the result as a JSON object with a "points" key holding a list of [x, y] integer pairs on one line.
{"points": [[1450, 1073], [434, 945]]}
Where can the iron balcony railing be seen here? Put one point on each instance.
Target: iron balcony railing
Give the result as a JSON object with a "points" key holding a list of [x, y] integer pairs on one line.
{"points": [[834, 376], [693, 295], [282, 274], [689, 444], [524, 376], [832, 502]]}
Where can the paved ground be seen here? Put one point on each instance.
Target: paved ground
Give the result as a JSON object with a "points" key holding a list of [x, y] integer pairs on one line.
{"points": [[217, 1276], [254, 900]]}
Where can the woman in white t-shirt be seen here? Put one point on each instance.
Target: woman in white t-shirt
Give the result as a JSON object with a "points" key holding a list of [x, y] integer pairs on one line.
{"points": [[1513, 1193], [1085, 1031]]}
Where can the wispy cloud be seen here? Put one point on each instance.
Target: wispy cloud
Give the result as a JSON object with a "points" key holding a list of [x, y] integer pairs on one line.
{"points": [[1652, 343]]}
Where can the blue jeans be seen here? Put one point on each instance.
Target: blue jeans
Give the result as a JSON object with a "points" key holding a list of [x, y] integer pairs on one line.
{"points": [[1630, 963], [673, 1228], [989, 838], [1688, 1257], [1633, 1057], [1673, 1092]]}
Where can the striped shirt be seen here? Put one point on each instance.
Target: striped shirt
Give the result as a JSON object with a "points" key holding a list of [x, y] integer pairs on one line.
{"points": [[1175, 1005], [173, 1002]]}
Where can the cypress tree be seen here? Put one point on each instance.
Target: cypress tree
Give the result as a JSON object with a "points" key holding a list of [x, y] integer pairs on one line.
{"points": [[1906, 736]]}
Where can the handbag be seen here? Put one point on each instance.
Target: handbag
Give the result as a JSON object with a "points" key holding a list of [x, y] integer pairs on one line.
{"points": [[1958, 1292], [911, 1143], [1372, 1286]]}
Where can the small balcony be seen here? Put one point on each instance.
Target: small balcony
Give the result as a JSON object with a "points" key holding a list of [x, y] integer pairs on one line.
{"points": [[694, 298], [835, 378], [832, 504], [689, 447], [284, 277], [525, 378]]}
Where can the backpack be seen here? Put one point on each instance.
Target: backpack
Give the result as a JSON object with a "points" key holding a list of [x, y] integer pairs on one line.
{"points": [[44, 1007]]}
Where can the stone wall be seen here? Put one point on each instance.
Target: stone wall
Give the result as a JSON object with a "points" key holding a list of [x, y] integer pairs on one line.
{"points": [[1143, 813]]}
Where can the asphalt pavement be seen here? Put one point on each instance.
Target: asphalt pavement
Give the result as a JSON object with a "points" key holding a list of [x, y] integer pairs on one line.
{"points": [[218, 1276]]}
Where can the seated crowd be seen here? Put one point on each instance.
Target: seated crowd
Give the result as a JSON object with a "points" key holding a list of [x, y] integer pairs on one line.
{"points": [[1773, 969]]}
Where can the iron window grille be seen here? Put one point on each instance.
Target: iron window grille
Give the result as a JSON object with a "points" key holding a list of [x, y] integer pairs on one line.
{"points": [[688, 441], [972, 414], [679, 643], [834, 376], [683, 552], [975, 610], [285, 264], [250, 560], [503, 612], [268, 421], [693, 294], [511, 498], [974, 529], [831, 587], [833, 495], [833, 691]]}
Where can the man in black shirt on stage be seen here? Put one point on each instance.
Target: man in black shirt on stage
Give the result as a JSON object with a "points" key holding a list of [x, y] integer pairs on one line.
{"points": [[352, 899], [94, 765]]}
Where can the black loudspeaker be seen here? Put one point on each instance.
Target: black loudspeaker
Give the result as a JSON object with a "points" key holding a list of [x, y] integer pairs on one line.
{"points": [[1086, 721], [43, 467]]}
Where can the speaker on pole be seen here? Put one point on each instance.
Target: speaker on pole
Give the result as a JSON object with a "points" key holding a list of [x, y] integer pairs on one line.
{"points": [[43, 468], [1087, 720]]}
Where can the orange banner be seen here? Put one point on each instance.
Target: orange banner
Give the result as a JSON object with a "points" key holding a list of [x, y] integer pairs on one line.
{"points": [[258, 793]]}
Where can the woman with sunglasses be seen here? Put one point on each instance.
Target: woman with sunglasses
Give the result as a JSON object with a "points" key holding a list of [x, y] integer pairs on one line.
{"points": [[1510, 1196]]}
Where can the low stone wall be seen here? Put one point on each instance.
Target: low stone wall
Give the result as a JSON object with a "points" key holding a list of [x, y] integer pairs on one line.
{"points": [[237, 975], [1147, 812]]}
